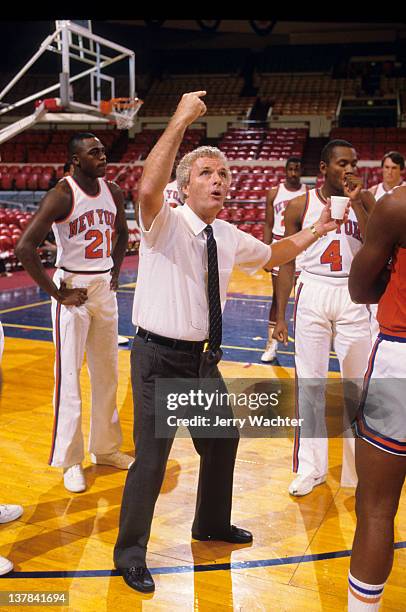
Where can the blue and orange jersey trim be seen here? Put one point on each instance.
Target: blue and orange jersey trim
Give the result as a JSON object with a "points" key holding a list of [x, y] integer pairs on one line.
{"points": [[360, 427], [297, 429], [58, 369]]}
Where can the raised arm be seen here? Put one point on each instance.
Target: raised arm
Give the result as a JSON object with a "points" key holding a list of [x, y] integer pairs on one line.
{"points": [[270, 215], [362, 200], [121, 231], [369, 273], [56, 205], [159, 163]]}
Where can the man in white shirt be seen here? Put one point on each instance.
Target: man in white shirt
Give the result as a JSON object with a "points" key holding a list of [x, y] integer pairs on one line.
{"points": [[186, 260], [392, 164]]}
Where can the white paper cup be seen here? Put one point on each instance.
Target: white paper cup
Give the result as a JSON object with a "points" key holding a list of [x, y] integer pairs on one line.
{"points": [[338, 206]]}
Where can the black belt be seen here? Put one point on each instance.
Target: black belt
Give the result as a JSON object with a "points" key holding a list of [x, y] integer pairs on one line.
{"points": [[179, 345], [85, 272]]}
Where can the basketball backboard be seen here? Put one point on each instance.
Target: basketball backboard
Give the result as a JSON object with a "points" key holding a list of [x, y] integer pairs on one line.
{"points": [[84, 56]]}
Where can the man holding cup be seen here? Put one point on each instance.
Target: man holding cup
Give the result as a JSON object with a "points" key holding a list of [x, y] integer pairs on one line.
{"points": [[324, 312]]}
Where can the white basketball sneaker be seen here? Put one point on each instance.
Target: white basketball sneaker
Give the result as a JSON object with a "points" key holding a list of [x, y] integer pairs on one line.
{"points": [[270, 351], [117, 459], [302, 485], [5, 566], [74, 478], [10, 512]]}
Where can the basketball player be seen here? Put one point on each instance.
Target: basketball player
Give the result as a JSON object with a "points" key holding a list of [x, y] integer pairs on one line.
{"points": [[276, 202], [8, 512], [68, 169], [324, 312], [380, 448], [84, 210], [171, 194], [393, 163]]}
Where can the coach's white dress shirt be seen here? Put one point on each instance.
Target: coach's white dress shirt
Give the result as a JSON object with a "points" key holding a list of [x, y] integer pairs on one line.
{"points": [[171, 293]]}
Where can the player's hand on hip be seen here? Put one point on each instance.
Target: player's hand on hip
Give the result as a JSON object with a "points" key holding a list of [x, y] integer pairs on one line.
{"points": [[280, 332], [191, 107], [71, 297]]}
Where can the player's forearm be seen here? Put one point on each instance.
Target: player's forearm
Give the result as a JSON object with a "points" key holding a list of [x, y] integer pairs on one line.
{"points": [[159, 163], [267, 234], [362, 216], [283, 289], [32, 264], [290, 247], [366, 288], [120, 249]]}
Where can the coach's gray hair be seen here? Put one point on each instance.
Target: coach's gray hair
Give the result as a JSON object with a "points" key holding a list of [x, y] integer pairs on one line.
{"points": [[185, 164]]}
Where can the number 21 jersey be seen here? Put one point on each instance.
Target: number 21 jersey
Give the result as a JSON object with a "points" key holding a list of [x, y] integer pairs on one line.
{"points": [[331, 255], [84, 237]]}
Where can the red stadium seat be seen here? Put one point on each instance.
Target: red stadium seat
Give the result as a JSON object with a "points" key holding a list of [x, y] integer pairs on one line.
{"points": [[6, 243]]}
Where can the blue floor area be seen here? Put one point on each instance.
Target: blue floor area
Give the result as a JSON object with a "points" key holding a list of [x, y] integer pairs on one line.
{"points": [[244, 323]]}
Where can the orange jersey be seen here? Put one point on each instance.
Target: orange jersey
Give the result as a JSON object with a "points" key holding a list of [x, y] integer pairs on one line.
{"points": [[392, 305]]}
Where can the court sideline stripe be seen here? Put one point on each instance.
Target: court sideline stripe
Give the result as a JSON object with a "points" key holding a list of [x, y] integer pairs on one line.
{"points": [[182, 569]]}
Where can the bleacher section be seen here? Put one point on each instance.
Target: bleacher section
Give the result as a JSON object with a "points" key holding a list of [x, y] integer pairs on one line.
{"points": [[263, 143], [373, 143], [223, 95], [47, 146], [304, 94]]}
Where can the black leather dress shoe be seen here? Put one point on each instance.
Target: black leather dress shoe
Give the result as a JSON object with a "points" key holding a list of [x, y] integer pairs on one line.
{"points": [[139, 579], [235, 535]]}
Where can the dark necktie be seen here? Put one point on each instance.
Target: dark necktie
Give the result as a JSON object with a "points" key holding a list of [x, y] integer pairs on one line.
{"points": [[215, 319]]}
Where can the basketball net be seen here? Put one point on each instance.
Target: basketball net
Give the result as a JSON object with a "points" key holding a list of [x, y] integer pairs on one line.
{"points": [[123, 110]]}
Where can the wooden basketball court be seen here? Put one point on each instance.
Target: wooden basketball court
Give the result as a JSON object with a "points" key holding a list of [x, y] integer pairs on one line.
{"points": [[64, 542]]}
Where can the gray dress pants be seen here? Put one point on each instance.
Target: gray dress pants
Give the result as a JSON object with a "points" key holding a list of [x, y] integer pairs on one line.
{"points": [[149, 362]]}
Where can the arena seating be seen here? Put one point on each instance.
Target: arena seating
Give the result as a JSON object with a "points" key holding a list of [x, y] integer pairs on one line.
{"points": [[223, 95], [47, 146], [373, 143], [262, 143], [304, 94]]}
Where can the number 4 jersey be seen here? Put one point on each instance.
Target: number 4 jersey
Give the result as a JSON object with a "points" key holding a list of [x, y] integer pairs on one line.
{"points": [[84, 237], [331, 255]]}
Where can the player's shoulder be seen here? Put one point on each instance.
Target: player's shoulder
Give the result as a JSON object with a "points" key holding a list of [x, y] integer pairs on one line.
{"points": [[62, 189], [299, 200], [392, 206], [114, 188]]}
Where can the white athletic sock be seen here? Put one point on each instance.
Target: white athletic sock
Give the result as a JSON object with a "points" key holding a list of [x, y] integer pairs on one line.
{"points": [[271, 327], [363, 597]]}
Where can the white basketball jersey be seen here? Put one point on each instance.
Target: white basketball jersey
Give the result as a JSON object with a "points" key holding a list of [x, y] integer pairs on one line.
{"points": [[380, 190], [84, 238], [283, 196], [331, 255], [171, 194]]}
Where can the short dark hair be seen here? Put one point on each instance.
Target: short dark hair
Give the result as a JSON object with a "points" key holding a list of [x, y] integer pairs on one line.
{"points": [[327, 151], [293, 160], [66, 167], [76, 140], [396, 157]]}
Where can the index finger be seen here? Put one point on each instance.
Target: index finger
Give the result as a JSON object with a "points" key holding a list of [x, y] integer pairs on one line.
{"points": [[198, 93]]}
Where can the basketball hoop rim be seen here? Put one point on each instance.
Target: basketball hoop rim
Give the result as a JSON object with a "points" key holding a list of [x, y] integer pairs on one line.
{"points": [[117, 105]]}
